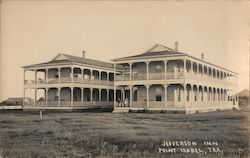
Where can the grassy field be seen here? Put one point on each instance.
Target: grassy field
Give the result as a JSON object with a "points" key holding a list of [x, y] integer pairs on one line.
{"points": [[119, 135]]}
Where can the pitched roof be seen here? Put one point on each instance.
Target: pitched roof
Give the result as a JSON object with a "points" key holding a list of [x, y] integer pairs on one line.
{"points": [[69, 59], [157, 50]]}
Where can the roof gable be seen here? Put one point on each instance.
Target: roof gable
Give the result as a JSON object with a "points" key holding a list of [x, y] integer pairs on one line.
{"points": [[158, 48], [60, 57]]}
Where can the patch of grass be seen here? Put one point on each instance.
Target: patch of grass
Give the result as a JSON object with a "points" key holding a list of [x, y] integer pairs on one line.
{"points": [[119, 135]]}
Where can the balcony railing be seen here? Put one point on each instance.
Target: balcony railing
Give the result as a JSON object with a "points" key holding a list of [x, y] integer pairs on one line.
{"points": [[71, 80], [156, 76]]}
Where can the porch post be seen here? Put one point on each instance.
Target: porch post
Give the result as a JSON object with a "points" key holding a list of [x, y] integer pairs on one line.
{"points": [[147, 86], [166, 95], [147, 63], [114, 85], [46, 97], [131, 95], [44, 101], [184, 66], [35, 97], [108, 78], [72, 74], [123, 94], [82, 96], [165, 70], [130, 71], [59, 75], [191, 93], [91, 95], [46, 75], [59, 96], [114, 96], [72, 92]]}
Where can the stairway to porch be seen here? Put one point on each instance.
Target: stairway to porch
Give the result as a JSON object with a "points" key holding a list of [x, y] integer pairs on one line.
{"points": [[121, 110]]}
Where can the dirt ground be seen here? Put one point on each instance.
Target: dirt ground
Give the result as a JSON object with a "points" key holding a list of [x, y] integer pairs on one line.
{"points": [[23, 134]]}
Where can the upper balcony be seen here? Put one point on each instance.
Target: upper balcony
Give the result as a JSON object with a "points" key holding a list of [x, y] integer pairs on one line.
{"points": [[173, 69], [66, 75]]}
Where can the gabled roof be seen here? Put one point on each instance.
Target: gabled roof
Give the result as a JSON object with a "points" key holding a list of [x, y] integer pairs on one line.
{"points": [[70, 59], [157, 50]]}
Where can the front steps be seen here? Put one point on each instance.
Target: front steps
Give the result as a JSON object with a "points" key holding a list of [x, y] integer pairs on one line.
{"points": [[121, 110]]}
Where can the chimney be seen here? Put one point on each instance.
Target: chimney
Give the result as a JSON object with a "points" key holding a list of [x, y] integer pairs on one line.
{"points": [[83, 53], [176, 46], [202, 56]]}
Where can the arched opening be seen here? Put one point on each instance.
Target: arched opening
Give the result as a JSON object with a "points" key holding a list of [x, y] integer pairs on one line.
{"points": [[53, 75], [53, 97], [188, 87], [104, 76], [139, 71], [77, 75], [65, 75], [200, 96], [77, 96], [103, 95], [175, 68], [95, 94], [40, 97], [205, 96], [140, 99], [41, 76], [210, 94], [218, 94], [200, 69], [86, 94], [65, 96], [156, 96], [195, 92], [175, 95], [156, 70], [195, 67]]}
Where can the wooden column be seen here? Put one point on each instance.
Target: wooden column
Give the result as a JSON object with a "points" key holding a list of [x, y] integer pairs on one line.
{"points": [[46, 98], [72, 97], [35, 96], [59, 75], [147, 87], [130, 71], [185, 67], [59, 96], [100, 94], [82, 89], [166, 94], [147, 63], [91, 95], [131, 95]]}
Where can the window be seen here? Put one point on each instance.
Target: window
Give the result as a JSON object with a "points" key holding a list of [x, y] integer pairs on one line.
{"points": [[158, 98]]}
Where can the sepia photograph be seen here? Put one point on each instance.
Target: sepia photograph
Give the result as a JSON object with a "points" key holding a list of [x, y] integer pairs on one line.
{"points": [[128, 78]]}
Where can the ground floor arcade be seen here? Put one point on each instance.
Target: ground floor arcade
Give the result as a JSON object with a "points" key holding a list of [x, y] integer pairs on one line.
{"points": [[175, 97], [70, 97]]}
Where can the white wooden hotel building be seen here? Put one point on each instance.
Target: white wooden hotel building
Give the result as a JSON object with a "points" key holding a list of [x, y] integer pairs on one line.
{"points": [[161, 79]]}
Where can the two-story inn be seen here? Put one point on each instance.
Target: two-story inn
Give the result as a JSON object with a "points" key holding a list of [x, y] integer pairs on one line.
{"points": [[69, 83], [161, 79]]}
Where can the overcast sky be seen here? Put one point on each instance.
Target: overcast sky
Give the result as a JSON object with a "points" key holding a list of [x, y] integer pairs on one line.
{"points": [[36, 31]]}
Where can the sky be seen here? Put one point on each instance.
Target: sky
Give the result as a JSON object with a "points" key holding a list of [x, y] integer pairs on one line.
{"points": [[36, 31]]}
